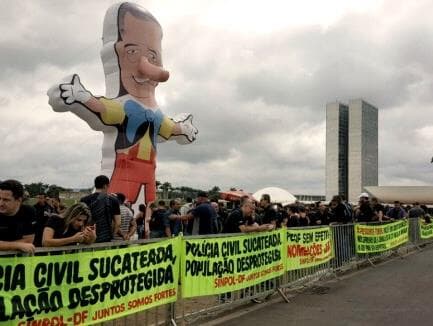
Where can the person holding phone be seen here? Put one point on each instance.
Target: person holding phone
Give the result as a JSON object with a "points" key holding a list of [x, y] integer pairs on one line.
{"points": [[69, 228]]}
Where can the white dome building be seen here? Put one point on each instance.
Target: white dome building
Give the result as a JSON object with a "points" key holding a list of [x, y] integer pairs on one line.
{"points": [[278, 195]]}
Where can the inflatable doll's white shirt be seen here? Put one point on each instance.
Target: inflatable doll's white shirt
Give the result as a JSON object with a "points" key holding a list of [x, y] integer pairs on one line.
{"points": [[108, 54]]}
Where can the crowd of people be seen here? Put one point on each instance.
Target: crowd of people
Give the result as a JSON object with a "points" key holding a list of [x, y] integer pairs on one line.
{"points": [[104, 217], [251, 216]]}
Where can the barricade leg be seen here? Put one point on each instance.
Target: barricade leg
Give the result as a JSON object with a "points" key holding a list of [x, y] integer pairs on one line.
{"points": [[171, 315]]}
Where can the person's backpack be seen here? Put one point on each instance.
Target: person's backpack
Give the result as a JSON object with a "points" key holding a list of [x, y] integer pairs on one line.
{"points": [[157, 220], [101, 216]]}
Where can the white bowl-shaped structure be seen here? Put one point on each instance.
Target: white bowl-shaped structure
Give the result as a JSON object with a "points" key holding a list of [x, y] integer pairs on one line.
{"points": [[404, 194], [278, 195]]}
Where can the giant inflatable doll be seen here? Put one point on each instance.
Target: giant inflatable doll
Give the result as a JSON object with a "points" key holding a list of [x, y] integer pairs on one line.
{"points": [[128, 115]]}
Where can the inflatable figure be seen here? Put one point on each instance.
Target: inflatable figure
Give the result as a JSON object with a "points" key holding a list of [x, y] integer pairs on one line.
{"points": [[128, 115]]}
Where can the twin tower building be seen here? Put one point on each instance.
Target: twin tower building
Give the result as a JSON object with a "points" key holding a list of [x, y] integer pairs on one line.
{"points": [[351, 148]]}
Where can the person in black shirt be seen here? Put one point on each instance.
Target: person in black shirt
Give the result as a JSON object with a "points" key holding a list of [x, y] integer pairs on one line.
{"points": [[174, 217], [242, 220], [364, 213], [202, 217], [416, 211], [269, 214], [69, 228], [222, 212], [43, 212], [378, 210], [139, 219], [284, 218], [321, 217], [107, 226], [339, 212], [304, 220], [16, 220], [159, 223], [293, 216], [397, 212]]}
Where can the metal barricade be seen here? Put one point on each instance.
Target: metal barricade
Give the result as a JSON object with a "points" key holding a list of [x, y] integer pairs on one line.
{"points": [[344, 245], [190, 310], [193, 309], [345, 258]]}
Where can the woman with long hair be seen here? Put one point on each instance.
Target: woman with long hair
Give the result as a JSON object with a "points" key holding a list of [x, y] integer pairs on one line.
{"points": [[69, 228]]}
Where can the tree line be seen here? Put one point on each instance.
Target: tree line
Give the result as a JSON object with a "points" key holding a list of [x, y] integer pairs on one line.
{"points": [[166, 188]]}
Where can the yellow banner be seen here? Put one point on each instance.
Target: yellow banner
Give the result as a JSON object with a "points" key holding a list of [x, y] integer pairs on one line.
{"points": [[87, 287], [308, 247], [425, 230], [377, 238], [219, 265]]}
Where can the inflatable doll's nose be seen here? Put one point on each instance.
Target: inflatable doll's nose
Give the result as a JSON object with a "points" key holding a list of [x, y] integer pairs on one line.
{"points": [[152, 71]]}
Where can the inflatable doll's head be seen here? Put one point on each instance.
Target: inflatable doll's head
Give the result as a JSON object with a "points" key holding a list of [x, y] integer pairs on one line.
{"points": [[131, 53]]}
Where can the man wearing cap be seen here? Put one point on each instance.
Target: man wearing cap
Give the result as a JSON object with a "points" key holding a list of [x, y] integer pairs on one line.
{"points": [[364, 213], [202, 216]]}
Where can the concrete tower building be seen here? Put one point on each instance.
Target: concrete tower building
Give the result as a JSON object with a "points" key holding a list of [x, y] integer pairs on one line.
{"points": [[363, 147], [337, 141], [351, 148]]}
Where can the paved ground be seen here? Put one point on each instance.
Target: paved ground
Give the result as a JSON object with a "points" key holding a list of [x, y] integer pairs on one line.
{"points": [[399, 292]]}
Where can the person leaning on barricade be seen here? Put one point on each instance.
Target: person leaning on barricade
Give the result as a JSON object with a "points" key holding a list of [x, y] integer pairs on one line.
{"points": [[397, 212], [16, 220], [304, 220], [43, 212], [364, 213], [242, 220], [378, 210], [292, 216], [69, 228], [321, 215], [339, 213]]}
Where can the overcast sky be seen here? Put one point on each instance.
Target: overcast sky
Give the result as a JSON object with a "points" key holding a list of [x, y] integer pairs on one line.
{"points": [[256, 75]]}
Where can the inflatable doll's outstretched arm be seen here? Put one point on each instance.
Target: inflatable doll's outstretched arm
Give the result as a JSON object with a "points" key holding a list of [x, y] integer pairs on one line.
{"points": [[75, 92], [70, 95]]}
